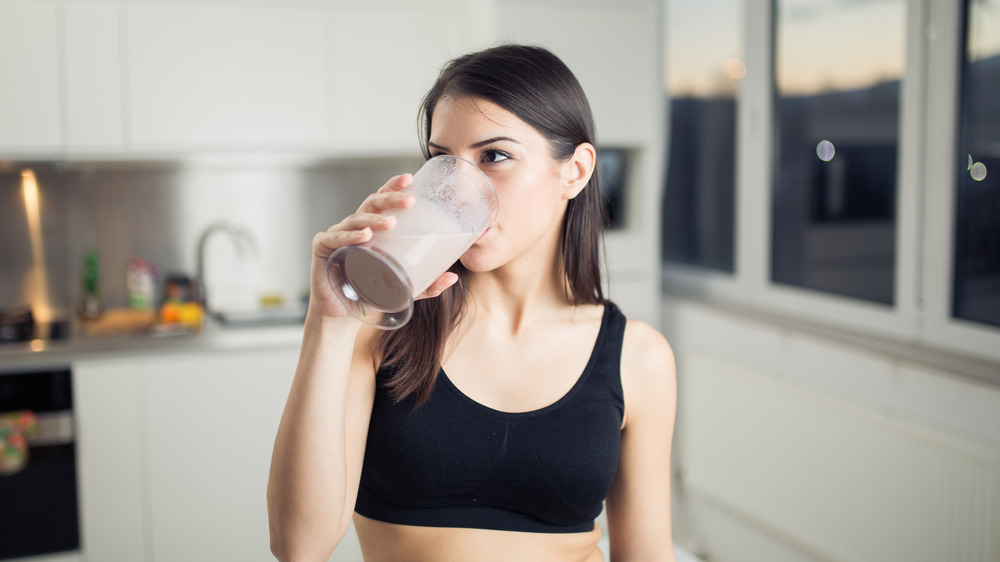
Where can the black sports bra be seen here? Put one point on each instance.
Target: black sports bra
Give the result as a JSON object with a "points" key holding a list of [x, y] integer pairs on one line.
{"points": [[454, 462]]}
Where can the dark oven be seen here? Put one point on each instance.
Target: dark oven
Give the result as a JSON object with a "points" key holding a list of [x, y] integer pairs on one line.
{"points": [[38, 483]]}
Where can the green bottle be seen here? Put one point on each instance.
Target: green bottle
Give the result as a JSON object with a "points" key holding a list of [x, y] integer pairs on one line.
{"points": [[91, 283]]}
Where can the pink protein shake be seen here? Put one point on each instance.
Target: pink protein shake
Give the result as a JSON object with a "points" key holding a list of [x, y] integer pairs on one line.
{"points": [[455, 204]]}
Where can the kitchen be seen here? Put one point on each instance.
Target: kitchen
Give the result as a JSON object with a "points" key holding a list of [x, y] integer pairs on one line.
{"points": [[155, 148], [145, 141]]}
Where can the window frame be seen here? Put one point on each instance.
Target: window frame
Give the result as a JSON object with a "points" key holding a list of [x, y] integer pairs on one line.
{"points": [[946, 30], [928, 125], [846, 312]]}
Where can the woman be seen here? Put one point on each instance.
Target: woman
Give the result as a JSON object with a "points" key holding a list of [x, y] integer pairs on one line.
{"points": [[517, 398]]}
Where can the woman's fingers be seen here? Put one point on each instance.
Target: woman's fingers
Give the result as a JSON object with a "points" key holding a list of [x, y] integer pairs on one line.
{"points": [[357, 228], [396, 183], [381, 202], [437, 287], [389, 196], [358, 221], [325, 243]]}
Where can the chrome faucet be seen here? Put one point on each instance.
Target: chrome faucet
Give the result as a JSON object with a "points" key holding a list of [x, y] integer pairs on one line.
{"points": [[241, 237]]}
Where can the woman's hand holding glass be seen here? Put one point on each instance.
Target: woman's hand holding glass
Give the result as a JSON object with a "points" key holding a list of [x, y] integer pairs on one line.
{"points": [[359, 228]]}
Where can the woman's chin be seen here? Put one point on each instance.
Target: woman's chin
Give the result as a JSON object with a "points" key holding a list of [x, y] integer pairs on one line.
{"points": [[476, 262]]}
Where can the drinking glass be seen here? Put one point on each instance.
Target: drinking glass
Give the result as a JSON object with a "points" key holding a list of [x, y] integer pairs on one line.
{"points": [[378, 281]]}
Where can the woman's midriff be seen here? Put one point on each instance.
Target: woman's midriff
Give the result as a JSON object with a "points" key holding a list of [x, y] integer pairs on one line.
{"points": [[388, 542]]}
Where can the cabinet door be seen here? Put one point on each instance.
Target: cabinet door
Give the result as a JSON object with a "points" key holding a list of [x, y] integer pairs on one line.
{"points": [[612, 46], [210, 422], [109, 459], [385, 56], [93, 58], [30, 110], [229, 77]]}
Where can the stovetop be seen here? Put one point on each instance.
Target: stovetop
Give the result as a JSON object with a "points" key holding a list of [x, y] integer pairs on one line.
{"points": [[18, 324]]}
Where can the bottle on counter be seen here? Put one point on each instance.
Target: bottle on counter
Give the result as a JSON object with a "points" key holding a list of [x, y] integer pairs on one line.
{"points": [[90, 306], [140, 281]]}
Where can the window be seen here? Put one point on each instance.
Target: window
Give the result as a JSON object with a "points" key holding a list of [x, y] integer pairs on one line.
{"points": [[865, 141], [977, 203], [704, 67], [838, 68]]}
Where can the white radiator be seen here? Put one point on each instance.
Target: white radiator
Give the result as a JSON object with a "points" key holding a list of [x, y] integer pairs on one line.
{"points": [[843, 481]]}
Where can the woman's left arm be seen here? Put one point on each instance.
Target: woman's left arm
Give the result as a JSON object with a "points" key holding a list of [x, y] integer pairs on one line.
{"points": [[639, 501]]}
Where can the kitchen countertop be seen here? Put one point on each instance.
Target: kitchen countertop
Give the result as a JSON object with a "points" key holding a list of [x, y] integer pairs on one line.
{"points": [[44, 354]]}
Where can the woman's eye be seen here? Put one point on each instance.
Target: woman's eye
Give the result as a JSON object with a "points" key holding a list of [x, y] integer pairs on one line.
{"points": [[494, 156]]}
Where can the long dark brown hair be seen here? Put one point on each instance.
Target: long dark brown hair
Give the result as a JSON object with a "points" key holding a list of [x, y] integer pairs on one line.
{"points": [[537, 87]]}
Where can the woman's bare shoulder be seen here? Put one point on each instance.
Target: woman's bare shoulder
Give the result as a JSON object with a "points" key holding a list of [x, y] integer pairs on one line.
{"points": [[647, 367], [645, 348]]}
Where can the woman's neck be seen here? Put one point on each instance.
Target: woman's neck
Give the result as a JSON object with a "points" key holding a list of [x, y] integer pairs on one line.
{"points": [[517, 292]]}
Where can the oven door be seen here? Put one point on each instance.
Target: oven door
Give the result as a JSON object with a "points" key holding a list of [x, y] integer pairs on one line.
{"points": [[40, 513]]}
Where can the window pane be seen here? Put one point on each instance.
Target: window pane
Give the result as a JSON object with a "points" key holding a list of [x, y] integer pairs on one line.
{"points": [[977, 219], [703, 69], [837, 71]]}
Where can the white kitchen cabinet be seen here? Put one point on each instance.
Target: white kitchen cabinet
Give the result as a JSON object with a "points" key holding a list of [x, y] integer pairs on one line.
{"points": [[109, 459], [343, 77], [209, 424], [92, 71], [384, 56], [612, 46], [174, 451], [30, 104], [231, 77]]}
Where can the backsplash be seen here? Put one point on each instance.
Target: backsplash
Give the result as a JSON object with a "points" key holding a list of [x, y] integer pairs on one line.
{"points": [[157, 211]]}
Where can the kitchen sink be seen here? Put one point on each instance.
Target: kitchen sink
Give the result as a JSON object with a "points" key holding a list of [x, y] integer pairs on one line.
{"points": [[261, 317]]}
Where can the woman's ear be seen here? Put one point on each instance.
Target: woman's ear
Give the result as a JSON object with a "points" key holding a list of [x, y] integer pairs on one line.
{"points": [[576, 171]]}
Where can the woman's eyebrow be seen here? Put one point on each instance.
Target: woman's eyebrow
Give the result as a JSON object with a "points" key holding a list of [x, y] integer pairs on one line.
{"points": [[483, 143], [479, 144]]}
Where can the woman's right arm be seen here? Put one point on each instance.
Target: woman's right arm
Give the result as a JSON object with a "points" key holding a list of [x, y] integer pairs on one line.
{"points": [[316, 462], [320, 444]]}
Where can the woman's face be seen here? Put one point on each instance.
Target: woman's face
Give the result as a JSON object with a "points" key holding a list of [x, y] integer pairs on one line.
{"points": [[528, 181]]}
